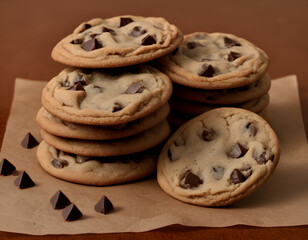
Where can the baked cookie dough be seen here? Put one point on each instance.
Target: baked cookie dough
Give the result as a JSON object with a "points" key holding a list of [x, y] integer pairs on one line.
{"points": [[218, 157], [215, 61], [117, 41], [106, 96]]}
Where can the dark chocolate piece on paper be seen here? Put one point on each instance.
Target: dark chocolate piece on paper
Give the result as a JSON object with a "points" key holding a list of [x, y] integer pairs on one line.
{"points": [[6, 168], [23, 181], [71, 213], [59, 200], [29, 141], [104, 205]]}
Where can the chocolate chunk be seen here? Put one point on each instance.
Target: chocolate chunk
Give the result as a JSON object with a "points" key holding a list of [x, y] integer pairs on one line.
{"points": [[125, 21], [252, 129], [230, 42], [190, 180], [238, 151], [208, 135], [232, 56], [59, 200], [77, 41], [207, 71], [262, 158], [80, 79], [86, 26], [104, 205], [91, 44], [218, 172], [71, 213], [112, 32], [192, 45], [148, 40], [59, 163], [29, 141], [237, 177], [117, 107], [6, 168], [77, 87], [23, 181], [137, 31], [134, 88]]}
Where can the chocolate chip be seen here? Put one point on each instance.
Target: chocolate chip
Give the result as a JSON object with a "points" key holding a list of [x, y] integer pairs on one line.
{"points": [[125, 21], [218, 172], [237, 151], [192, 45], [6, 168], [104, 205], [208, 135], [117, 107], [77, 87], [59, 200], [232, 56], [77, 41], [86, 26], [237, 177], [112, 32], [148, 40], [230, 42], [134, 88], [23, 181], [71, 213], [137, 31], [91, 44], [207, 71], [59, 163], [29, 141], [190, 180], [80, 79], [252, 129], [263, 158]]}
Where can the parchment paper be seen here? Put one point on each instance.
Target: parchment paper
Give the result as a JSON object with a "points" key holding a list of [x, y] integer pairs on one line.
{"points": [[142, 205]]}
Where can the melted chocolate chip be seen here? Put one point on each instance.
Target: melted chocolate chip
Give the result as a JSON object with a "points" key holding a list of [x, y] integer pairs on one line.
{"points": [[137, 31], [218, 172], [252, 129], [125, 21], [237, 177], [190, 180], [232, 56], [112, 32], [230, 42], [71, 213], [77, 41], [117, 107], [208, 135], [29, 141], [238, 151], [104, 205], [77, 87], [23, 181], [6, 168], [207, 71], [148, 40], [59, 163], [192, 45], [59, 200], [91, 44], [80, 79], [134, 88]]}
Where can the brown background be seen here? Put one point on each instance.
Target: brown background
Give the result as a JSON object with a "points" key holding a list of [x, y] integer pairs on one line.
{"points": [[30, 28]]}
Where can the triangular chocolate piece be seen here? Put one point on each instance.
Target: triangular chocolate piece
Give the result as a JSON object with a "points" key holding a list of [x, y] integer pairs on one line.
{"points": [[103, 206], [71, 213], [59, 200], [23, 181], [29, 141], [6, 168]]}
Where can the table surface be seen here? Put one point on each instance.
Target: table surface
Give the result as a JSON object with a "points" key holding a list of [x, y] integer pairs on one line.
{"points": [[30, 29]]}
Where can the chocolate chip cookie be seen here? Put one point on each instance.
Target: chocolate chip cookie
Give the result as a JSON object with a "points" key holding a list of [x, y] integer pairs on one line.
{"points": [[218, 157], [106, 96], [215, 61], [117, 41]]}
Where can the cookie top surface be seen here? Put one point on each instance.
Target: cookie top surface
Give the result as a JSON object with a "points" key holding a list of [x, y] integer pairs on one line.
{"points": [[117, 41], [215, 61], [106, 96], [218, 158], [96, 170]]}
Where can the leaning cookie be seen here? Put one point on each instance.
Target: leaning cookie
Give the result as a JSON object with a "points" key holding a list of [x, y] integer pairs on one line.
{"points": [[106, 96], [218, 158], [96, 170], [215, 61], [117, 41], [61, 128]]}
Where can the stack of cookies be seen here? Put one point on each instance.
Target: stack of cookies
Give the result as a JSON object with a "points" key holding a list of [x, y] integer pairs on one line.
{"points": [[212, 70], [104, 116]]}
